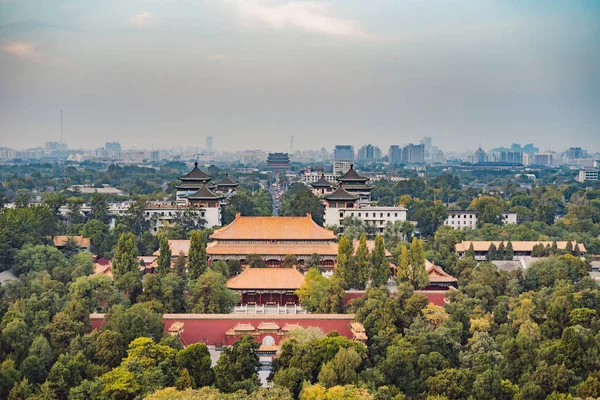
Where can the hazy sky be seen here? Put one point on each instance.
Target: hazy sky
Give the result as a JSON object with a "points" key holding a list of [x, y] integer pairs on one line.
{"points": [[251, 73]]}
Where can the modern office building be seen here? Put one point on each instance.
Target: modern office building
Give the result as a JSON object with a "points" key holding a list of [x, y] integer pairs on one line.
{"points": [[343, 153], [587, 175], [395, 155]]}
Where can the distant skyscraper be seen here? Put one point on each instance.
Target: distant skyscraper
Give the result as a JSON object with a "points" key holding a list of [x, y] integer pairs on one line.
{"points": [[413, 154], [291, 144], [343, 153], [395, 155], [427, 142], [209, 143], [574, 153], [113, 149], [543, 159], [369, 153], [479, 156]]}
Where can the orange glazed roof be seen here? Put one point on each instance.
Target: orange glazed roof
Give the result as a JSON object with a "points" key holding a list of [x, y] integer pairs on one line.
{"points": [[517, 245], [267, 278], [177, 246], [273, 228], [437, 274], [80, 241], [275, 249]]}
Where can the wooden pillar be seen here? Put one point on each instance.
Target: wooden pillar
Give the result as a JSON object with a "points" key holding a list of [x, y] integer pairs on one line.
{"points": [[260, 299], [280, 298]]}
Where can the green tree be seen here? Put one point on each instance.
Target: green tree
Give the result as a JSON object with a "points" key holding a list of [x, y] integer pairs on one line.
{"points": [[403, 274], [255, 261], [301, 203], [419, 278], [237, 365], [289, 261], [345, 269], [196, 360], [179, 267], [164, 257], [380, 267], [492, 253], [210, 295], [197, 260], [38, 258], [341, 370], [362, 262], [509, 253], [125, 259], [139, 320]]}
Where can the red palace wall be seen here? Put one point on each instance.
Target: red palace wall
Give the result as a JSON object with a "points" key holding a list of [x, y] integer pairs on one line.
{"points": [[211, 328]]}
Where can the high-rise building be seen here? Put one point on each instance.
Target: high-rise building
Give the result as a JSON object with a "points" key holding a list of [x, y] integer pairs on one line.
{"points": [[574, 153], [368, 152], [291, 144], [343, 153], [209, 143], [543, 159], [395, 155], [479, 156], [413, 154]]}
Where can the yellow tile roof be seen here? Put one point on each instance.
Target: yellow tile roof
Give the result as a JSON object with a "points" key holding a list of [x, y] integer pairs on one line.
{"points": [[267, 278], [273, 228], [517, 245], [60, 241], [282, 249]]}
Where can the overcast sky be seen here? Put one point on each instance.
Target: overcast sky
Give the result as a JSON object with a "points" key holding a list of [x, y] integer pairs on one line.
{"points": [[163, 73]]}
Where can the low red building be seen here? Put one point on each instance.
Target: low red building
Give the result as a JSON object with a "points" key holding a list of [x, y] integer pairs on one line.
{"points": [[267, 286]]}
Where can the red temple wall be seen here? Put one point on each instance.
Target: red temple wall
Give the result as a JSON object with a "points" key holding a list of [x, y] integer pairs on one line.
{"points": [[212, 331]]}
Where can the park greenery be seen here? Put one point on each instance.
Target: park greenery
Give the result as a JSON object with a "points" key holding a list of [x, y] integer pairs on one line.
{"points": [[520, 334]]}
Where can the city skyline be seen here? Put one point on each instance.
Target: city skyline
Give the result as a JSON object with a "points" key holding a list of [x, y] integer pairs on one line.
{"points": [[253, 73]]}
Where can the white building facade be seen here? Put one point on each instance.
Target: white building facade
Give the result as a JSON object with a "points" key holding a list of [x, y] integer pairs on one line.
{"points": [[587, 175], [460, 219], [373, 216]]}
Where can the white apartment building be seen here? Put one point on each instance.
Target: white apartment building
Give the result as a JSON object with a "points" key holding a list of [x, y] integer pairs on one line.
{"points": [[341, 167], [460, 219], [308, 177], [587, 175], [373, 216]]}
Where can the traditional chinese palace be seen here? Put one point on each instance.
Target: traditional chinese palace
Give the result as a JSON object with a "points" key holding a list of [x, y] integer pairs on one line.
{"points": [[273, 238], [267, 286], [196, 190]]}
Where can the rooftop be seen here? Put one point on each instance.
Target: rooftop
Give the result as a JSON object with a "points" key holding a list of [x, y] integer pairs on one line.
{"points": [[62, 241], [437, 275], [341, 194], [352, 175], [195, 175], [276, 249], [267, 278], [322, 182], [227, 181], [204, 193], [522, 246], [273, 228]]}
